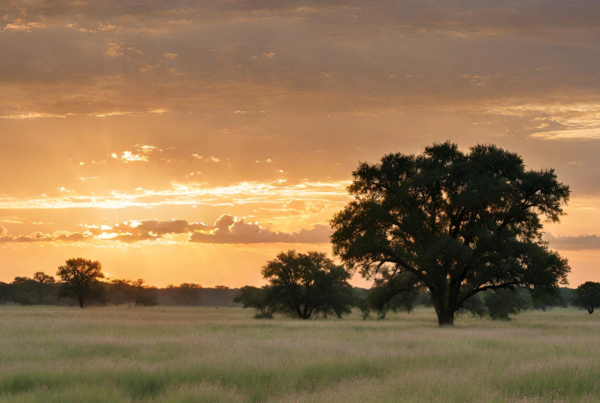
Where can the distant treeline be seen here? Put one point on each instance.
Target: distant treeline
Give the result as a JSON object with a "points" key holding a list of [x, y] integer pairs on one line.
{"points": [[25, 292], [300, 285], [35, 291], [81, 283]]}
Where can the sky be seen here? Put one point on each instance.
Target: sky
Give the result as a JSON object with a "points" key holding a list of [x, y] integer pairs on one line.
{"points": [[191, 141]]}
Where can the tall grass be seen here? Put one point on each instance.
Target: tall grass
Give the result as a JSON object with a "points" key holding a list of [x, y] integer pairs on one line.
{"points": [[58, 354]]}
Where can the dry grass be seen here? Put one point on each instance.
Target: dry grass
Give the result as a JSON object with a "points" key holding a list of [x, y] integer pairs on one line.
{"points": [[57, 354]]}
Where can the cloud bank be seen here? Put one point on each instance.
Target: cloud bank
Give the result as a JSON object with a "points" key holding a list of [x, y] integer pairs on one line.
{"points": [[229, 229]]}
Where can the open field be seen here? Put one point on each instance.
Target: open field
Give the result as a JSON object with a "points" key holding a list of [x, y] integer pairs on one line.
{"points": [[119, 354]]}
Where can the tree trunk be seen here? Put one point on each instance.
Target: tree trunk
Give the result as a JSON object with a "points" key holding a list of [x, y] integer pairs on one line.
{"points": [[591, 310], [444, 310], [446, 318], [80, 302]]}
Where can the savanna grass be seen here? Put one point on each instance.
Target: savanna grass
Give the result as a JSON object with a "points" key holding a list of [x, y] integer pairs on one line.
{"points": [[119, 354]]}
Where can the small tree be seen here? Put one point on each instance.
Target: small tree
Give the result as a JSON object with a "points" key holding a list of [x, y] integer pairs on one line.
{"points": [[587, 296], [80, 278], [43, 284], [221, 287], [143, 294], [5, 291], [189, 293], [395, 294], [363, 306], [454, 223], [122, 291], [257, 298], [308, 284], [23, 291], [501, 304]]}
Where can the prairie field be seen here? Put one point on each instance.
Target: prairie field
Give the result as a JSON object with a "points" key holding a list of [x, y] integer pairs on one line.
{"points": [[175, 354]]}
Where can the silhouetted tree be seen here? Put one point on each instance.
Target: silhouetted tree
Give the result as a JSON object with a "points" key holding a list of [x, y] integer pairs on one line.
{"points": [[80, 278], [122, 291], [307, 284], [189, 293], [257, 298], [143, 294], [363, 306], [23, 291], [454, 223], [567, 295], [587, 296], [221, 287], [5, 292], [396, 294], [502, 303], [43, 284], [475, 306]]}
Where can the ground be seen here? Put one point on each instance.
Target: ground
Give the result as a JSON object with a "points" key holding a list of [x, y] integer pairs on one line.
{"points": [[171, 354]]}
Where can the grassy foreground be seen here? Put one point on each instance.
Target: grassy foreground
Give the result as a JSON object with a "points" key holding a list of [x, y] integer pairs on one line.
{"points": [[169, 354]]}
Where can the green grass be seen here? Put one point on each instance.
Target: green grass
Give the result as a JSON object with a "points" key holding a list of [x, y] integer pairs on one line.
{"points": [[119, 354]]}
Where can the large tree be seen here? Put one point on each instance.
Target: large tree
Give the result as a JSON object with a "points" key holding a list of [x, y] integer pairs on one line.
{"points": [[452, 222], [80, 278], [587, 296], [304, 285]]}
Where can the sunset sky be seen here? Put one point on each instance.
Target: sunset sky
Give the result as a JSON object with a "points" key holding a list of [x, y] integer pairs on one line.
{"points": [[192, 141]]}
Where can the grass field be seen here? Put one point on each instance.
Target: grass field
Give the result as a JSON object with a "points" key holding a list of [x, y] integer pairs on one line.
{"points": [[119, 354]]}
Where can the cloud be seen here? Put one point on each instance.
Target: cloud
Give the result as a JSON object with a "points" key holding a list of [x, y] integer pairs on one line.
{"points": [[146, 149], [17, 26], [128, 232], [114, 51], [35, 237], [229, 229], [16, 115], [164, 227], [569, 134], [129, 156], [171, 56], [578, 242]]}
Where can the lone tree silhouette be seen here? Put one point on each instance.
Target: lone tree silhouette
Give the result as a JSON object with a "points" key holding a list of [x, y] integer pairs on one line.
{"points": [[305, 284], [80, 278], [587, 296], [452, 222]]}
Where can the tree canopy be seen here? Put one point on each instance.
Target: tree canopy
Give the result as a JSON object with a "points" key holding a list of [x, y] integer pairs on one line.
{"points": [[587, 296], [257, 298], [189, 293], [454, 223], [304, 285], [80, 277], [43, 284]]}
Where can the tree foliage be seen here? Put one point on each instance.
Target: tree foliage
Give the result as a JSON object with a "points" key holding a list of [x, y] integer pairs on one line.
{"points": [[587, 296], [43, 284], [188, 293], [393, 294], [304, 285], [257, 298], [453, 223], [80, 278]]}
